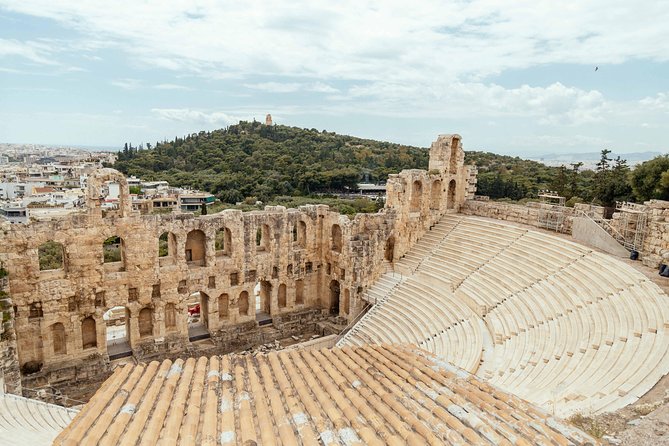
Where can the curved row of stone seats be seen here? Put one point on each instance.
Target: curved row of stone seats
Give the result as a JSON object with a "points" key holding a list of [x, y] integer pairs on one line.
{"points": [[559, 324], [422, 311], [424, 247], [31, 422], [468, 247], [571, 337], [382, 287]]}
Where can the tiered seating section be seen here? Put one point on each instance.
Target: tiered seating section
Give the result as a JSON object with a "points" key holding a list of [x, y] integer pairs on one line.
{"points": [[30, 422], [554, 322]]}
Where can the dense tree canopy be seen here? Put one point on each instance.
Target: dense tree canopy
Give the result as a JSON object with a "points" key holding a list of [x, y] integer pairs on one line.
{"points": [[255, 160], [651, 179], [269, 163]]}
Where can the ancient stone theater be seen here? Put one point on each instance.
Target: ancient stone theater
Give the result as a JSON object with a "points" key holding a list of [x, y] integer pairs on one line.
{"points": [[441, 319]]}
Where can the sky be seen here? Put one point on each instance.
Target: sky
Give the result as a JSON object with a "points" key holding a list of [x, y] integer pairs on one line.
{"points": [[515, 77]]}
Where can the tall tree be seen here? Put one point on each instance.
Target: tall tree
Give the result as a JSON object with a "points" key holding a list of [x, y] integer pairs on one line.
{"points": [[651, 179]]}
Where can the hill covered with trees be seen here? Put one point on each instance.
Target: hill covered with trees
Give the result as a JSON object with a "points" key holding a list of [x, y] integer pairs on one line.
{"points": [[267, 163], [254, 160]]}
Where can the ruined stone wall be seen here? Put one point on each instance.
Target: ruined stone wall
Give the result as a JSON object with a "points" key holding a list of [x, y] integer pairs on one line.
{"points": [[10, 374], [655, 250], [524, 214], [310, 262]]}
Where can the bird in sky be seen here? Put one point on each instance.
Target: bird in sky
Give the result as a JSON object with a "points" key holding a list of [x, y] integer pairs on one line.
{"points": [[596, 68]]}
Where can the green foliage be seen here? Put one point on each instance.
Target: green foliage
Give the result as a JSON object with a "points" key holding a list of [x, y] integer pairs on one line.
{"points": [[112, 249], [254, 160], [3, 273], [163, 245], [50, 255], [502, 176], [219, 242], [650, 180], [611, 180], [251, 162], [137, 190]]}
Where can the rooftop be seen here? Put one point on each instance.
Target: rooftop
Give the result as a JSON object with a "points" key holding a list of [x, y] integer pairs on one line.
{"points": [[372, 395]]}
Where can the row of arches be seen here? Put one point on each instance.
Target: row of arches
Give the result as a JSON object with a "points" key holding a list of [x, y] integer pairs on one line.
{"points": [[117, 320], [435, 195], [51, 254]]}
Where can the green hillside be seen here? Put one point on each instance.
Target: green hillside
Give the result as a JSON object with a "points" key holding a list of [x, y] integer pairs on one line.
{"points": [[250, 161], [254, 160]]}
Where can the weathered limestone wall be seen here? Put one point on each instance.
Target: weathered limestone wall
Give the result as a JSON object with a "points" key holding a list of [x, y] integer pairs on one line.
{"points": [[10, 374], [310, 262], [527, 215], [655, 249]]}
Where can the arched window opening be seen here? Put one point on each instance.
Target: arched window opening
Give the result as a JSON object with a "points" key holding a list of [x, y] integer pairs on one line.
{"points": [[198, 316], [170, 317], [243, 303], [263, 294], [145, 322], [453, 160], [347, 299], [196, 248], [51, 256], [114, 252], [389, 253], [451, 195], [435, 198], [223, 242], [336, 238], [117, 331], [223, 306], [59, 339], [167, 243], [334, 297], [89, 335], [416, 196], [301, 234], [262, 238], [282, 296], [299, 292]]}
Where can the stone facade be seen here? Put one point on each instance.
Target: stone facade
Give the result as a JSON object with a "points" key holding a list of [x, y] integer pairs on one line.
{"points": [[516, 213], [655, 248], [10, 375], [309, 263]]}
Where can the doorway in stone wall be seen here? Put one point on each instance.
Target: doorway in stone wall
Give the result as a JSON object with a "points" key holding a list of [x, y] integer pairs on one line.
{"points": [[262, 292], [198, 316], [334, 297], [117, 332]]}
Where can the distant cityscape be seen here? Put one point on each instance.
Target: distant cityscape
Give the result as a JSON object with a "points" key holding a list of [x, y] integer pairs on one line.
{"points": [[41, 182]]}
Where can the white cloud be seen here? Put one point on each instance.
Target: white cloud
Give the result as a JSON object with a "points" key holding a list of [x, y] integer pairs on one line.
{"points": [[275, 87], [127, 84], [171, 87], [196, 116], [37, 52], [292, 87], [660, 102], [427, 59], [357, 39]]}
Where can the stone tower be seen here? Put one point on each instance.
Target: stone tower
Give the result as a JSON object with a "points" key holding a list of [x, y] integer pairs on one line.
{"points": [[268, 119]]}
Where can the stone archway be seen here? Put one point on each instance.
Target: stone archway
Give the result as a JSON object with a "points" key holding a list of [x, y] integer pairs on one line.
{"points": [[196, 248], [389, 253], [117, 332], [416, 196], [335, 290], [435, 195], [451, 195]]}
